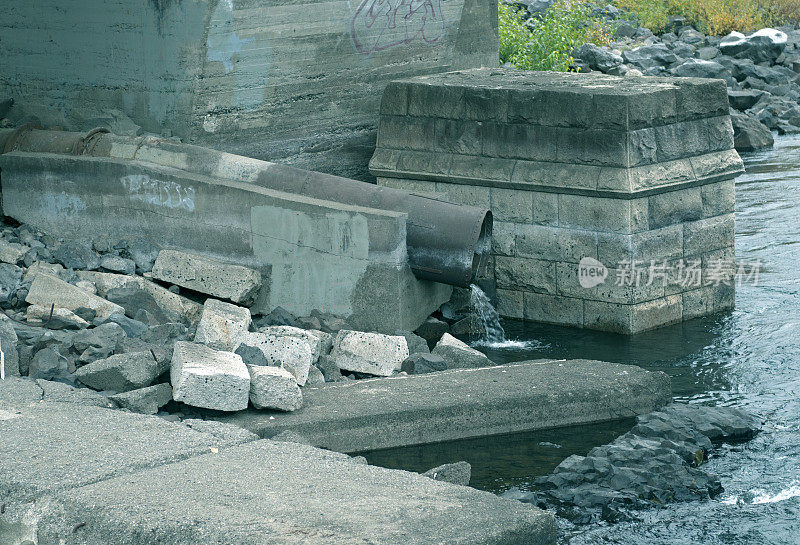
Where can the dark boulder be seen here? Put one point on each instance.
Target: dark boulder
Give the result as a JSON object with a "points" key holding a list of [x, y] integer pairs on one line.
{"points": [[749, 133]]}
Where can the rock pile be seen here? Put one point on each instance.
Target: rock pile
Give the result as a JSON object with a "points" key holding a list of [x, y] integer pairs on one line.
{"points": [[656, 462], [142, 328], [762, 69]]}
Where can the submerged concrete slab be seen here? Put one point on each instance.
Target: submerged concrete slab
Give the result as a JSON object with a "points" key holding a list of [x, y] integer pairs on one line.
{"points": [[461, 403]]}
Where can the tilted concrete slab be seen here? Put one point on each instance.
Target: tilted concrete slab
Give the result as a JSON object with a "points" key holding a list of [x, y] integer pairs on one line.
{"points": [[461, 403], [93, 476]]}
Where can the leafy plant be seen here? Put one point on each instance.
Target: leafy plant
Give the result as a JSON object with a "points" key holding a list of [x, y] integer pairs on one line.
{"points": [[545, 42]]}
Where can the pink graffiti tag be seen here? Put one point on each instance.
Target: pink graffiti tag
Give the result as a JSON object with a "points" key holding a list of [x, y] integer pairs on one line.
{"points": [[380, 24]]}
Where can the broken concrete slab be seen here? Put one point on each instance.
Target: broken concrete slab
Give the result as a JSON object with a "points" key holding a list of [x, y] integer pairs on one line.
{"points": [[145, 400], [295, 353], [456, 404], [64, 393], [274, 388], [8, 344], [212, 379], [371, 353], [47, 290], [16, 392], [178, 307], [319, 341], [274, 503], [222, 325], [205, 275], [120, 372], [59, 318], [458, 354], [11, 252], [456, 473]]}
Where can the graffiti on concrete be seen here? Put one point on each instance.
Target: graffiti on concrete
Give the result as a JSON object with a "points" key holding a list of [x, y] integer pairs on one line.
{"points": [[142, 187], [382, 24]]}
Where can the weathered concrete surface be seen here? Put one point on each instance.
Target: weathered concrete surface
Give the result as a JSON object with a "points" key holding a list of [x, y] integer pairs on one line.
{"points": [[408, 410], [287, 80], [47, 290], [314, 255], [104, 476]]}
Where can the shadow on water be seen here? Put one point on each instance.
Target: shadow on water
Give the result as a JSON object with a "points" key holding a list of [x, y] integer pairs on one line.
{"points": [[748, 358]]}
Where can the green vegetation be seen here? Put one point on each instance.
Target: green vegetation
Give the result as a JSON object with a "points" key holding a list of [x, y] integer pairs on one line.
{"points": [[715, 17], [546, 42]]}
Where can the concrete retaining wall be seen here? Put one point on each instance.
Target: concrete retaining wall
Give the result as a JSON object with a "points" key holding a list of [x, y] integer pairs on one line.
{"points": [[314, 255], [298, 80], [616, 174]]}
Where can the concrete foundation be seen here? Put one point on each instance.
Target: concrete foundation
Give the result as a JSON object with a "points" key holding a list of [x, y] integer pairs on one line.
{"points": [[292, 80], [313, 255], [613, 198]]}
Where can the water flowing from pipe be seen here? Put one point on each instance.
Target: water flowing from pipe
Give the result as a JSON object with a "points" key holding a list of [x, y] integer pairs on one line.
{"points": [[491, 332]]}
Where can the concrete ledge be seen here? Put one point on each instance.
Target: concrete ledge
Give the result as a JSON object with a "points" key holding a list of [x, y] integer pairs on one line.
{"points": [[409, 410]]}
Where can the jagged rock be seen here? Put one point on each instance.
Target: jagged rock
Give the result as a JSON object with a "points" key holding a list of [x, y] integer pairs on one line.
{"points": [[432, 330], [329, 323], [59, 392], [456, 473], [222, 325], [10, 280], [145, 400], [315, 376], [12, 252], [416, 344], [47, 290], [77, 255], [598, 58], [133, 328], [274, 388], [766, 45], [697, 68], [467, 327], [48, 364], [203, 377], [118, 264], [199, 273], [59, 318], [421, 363], [120, 372], [53, 269], [749, 134], [744, 100], [278, 316], [329, 369], [133, 298], [166, 333], [143, 252], [650, 56], [8, 344], [459, 354], [99, 342], [370, 353], [295, 353], [86, 314]]}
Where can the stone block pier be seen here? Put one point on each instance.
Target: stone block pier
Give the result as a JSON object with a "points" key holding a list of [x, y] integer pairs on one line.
{"points": [[613, 197]]}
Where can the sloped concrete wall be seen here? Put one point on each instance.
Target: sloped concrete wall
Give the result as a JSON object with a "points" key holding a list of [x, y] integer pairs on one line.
{"points": [[292, 80]]}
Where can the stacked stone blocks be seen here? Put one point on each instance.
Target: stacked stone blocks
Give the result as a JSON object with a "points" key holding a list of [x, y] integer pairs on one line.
{"points": [[574, 166]]}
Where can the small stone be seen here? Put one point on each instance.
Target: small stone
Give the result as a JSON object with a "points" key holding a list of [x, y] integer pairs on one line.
{"points": [[458, 354], [77, 255], [292, 352], [205, 275], [48, 364], [416, 344], [59, 318], [145, 400], [274, 388], [457, 473], [11, 252], [432, 330], [118, 265], [87, 314], [142, 252], [222, 325], [371, 353], [120, 372], [99, 342], [10, 280], [421, 363], [203, 377]]}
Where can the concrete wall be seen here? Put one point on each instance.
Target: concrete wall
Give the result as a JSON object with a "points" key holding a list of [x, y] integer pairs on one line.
{"points": [[314, 255], [292, 80]]}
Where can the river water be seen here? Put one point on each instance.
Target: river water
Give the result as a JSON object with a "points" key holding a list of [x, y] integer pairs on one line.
{"points": [[748, 358]]}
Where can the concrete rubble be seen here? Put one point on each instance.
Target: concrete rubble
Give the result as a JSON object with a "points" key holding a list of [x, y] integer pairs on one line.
{"points": [[295, 353], [274, 388], [457, 354], [203, 377], [223, 325], [370, 353]]}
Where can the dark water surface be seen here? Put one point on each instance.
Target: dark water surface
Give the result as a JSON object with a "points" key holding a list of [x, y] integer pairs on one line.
{"points": [[749, 358]]}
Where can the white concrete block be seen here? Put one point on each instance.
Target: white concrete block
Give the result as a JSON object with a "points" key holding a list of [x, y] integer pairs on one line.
{"points": [[222, 325], [371, 353], [274, 388], [212, 379], [295, 353]]}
